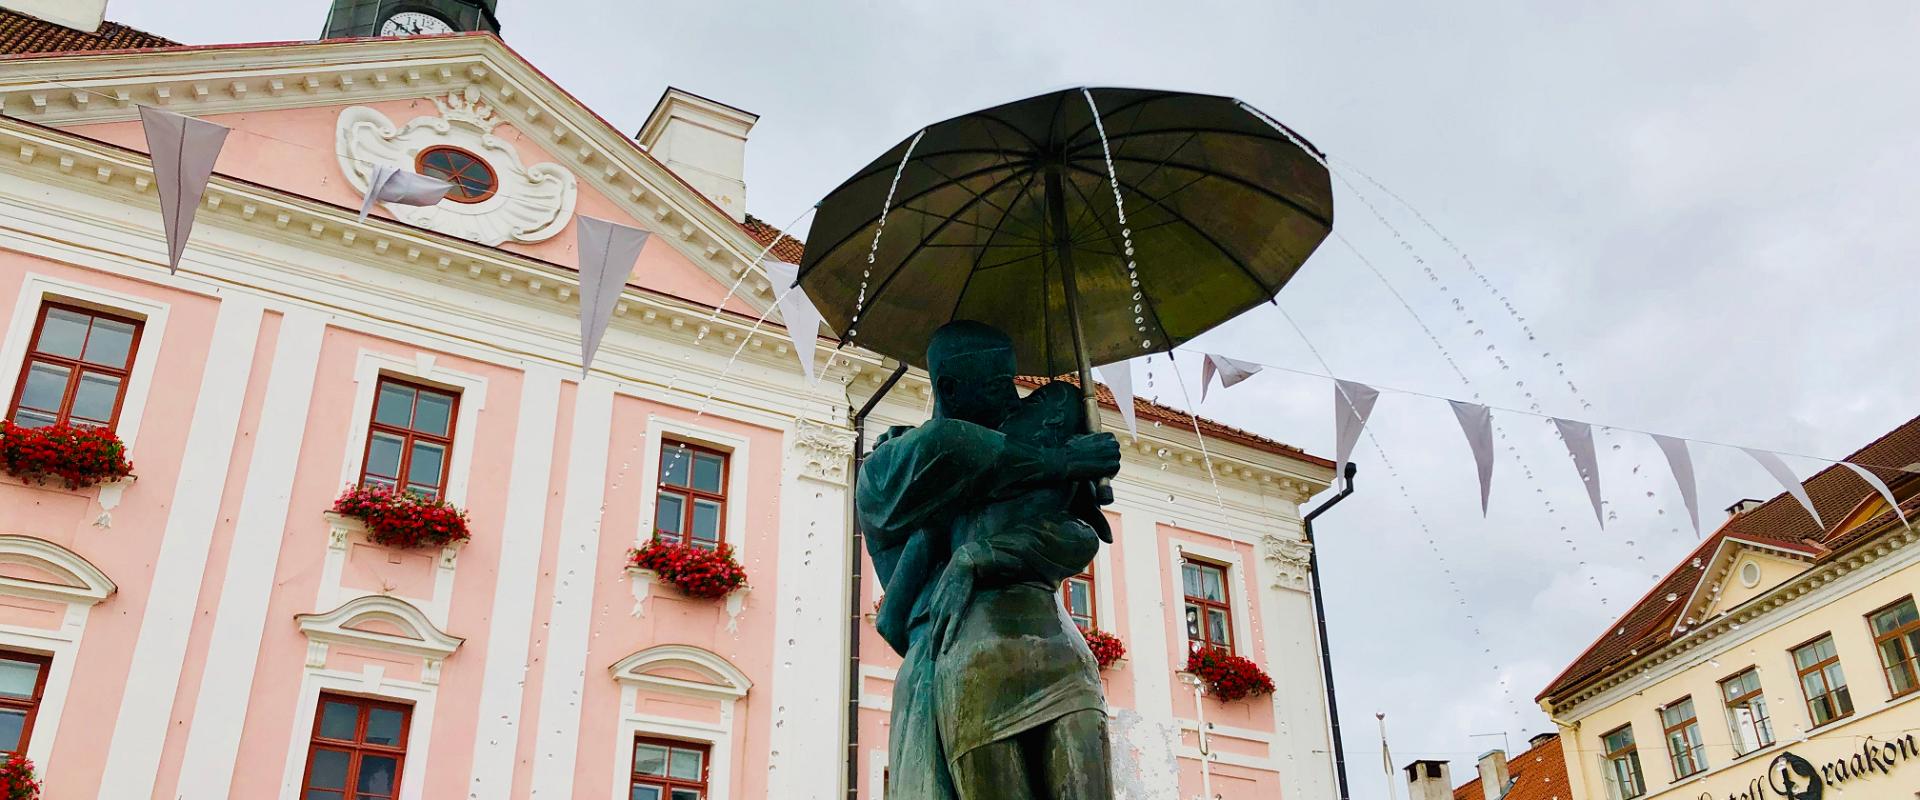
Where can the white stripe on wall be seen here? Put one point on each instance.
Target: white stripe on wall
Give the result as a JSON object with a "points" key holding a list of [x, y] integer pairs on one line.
{"points": [[153, 678], [213, 739], [521, 532], [571, 620]]}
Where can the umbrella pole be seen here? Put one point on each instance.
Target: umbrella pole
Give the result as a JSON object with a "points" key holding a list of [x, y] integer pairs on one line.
{"points": [[1063, 255]]}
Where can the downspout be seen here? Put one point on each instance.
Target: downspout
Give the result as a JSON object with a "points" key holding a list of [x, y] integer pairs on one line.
{"points": [[1320, 625], [857, 560]]}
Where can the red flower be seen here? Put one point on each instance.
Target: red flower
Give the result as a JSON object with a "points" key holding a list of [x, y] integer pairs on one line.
{"points": [[78, 456], [402, 519], [1227, 676], [1107, 648], [17, 781], [694, 570]]}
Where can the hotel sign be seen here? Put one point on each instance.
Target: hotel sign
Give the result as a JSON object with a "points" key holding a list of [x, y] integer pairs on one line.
{"points": [[1790, 777]]}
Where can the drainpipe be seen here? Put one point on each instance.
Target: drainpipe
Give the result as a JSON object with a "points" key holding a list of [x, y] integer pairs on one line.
{"points": [[1320, 622], [857, 559]]}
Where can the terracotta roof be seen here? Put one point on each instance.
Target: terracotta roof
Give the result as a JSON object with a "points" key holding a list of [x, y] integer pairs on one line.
{"points": [[785, 248], [1538, 774], [1149, 412], [21, 34], [1779, 522]]}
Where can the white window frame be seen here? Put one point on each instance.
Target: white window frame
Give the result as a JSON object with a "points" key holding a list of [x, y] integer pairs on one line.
{"points": [[323, 630], [38, 289], [729, 686], [661, 428], [62, 645], [369, 367], [1237, 592]]}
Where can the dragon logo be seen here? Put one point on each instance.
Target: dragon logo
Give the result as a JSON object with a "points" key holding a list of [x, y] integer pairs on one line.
{"points": [[1791, 777]]}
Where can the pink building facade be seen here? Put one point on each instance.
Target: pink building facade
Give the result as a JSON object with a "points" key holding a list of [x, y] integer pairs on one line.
{"points": [[211, 629]]}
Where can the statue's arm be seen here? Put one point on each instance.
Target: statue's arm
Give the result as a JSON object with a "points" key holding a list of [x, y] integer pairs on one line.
{"points": [[932, 471]]}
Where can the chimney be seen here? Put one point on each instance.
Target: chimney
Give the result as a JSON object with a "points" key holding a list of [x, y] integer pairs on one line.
{"points": [[1744, 506], [80, 15], [705, 143], [1540, 739], [1429, 780], [1493, 774]]}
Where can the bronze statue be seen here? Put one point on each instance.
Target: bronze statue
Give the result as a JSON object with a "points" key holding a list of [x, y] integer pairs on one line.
{"points": [[973, 521]]}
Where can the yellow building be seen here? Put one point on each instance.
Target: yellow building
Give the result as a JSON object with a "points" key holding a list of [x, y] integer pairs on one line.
{"points": [[1780, 654]]}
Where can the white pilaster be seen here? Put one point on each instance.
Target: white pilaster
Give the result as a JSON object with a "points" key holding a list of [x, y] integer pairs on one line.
{"points": [[810, 617], [521, 532], [1302, 741], [213, 739], [570, 622], [1147, 614], [133, 756]]}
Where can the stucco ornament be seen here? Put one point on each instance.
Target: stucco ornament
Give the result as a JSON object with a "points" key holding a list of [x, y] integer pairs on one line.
{"points": [[532, 204], [1291, 559], [824, 451]]}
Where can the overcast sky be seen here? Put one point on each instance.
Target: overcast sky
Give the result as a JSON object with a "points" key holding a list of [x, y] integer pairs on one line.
{"points": [[1705, 213]]}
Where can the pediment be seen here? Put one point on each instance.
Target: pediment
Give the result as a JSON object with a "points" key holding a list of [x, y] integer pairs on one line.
{"points": [[382, 623], [35, 567], [1737, 571], [272, 85], [683, 669]]}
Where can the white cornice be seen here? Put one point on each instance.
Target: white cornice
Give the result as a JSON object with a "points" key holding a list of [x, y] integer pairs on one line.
{"points": [[93, 88]]}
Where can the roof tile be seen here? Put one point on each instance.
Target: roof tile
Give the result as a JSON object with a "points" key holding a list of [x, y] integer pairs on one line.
{"points": [[22, 35]]}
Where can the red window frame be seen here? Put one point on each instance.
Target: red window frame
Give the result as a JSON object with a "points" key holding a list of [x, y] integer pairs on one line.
{"points": [[409, 435], [1093, 600], [30, 705], [1224, 604], [459, 178], [358, 747], [688, 494], [76, 366], [665, 784]]}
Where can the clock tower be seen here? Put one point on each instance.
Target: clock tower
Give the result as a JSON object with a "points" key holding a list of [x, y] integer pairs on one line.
{"points": [[356, 18]]}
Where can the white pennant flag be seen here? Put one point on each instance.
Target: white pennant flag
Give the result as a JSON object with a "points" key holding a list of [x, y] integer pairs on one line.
{"points": [[1578, 437], [1352, 405], [1878, 486], [1118, 377], [1681, 463], [1784, 474], [395, 185], [1230, 370], [1477, 423], [797, 311], [608, 251], [184, 150]]}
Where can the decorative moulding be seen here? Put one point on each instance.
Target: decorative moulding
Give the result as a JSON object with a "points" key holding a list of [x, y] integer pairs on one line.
{"points": [[79, 580], [643, 580], [722, 679], [1291, 560], [825, 451], [532, 203], [419, 637]]}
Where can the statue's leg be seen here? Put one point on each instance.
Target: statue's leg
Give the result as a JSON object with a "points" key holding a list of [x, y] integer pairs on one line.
{"points": [[996, 771], [1076, 764]]}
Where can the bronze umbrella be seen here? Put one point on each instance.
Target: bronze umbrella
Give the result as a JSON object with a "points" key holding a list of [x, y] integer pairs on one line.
{"points": [[1088, 241]]}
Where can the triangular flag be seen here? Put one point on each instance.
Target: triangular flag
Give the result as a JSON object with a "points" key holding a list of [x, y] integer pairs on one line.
{"points": [[1578, 437], [1352, 405], [394, 185], [608, 251], [797, 311], [1681, 462], [1784, 474], [1477, 423], [1878, 486], [1118, 377], [184, 150], [1230, 370]]}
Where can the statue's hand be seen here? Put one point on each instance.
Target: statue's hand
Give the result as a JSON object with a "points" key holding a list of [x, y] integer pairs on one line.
{"points": [[950, 598], [1090, 457]]}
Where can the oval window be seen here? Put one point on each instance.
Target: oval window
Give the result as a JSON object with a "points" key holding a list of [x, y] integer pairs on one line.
{"points": [[473, 181], [1750, 574]]}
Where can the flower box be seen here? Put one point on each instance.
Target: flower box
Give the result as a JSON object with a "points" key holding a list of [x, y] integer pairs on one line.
{"points": [[1227, 676], [78, 456], [695, 571], [17, 781], [401, 519], [1107, 648]]}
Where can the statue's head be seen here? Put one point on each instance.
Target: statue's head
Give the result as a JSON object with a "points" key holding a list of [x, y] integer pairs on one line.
{"points": [[972, 366]]}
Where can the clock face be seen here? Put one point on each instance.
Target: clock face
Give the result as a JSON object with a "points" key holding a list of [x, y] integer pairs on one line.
{"points": [[414, 23]]}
